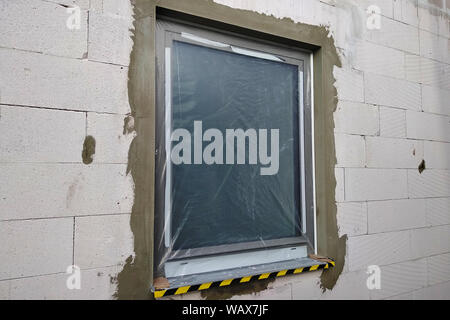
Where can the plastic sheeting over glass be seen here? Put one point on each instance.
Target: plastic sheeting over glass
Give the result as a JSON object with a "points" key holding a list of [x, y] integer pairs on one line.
{"points": [[228, 204]]}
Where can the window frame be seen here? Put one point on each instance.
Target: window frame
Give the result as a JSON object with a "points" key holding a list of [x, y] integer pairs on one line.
{"points": [[169, 30]]}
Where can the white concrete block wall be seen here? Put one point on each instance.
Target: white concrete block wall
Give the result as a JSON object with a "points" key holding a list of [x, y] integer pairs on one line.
{"points": [[437, 211], [36, 190], [394, 34], [433, 292], [375, 184], [427, 71], [400, 278], [350, 84], [435, 100], [96, 284], [38, 26], [42, 81], [385, 91], [406, 11], [101, 241], [83, 4], [56, 87], [393, 153], [107, 40], [392, 215], [378, 249], [357, 118], [111, 144], [59, 85], [392, 122], [35, 247], [440, 152], [428, 184], [426, 126], [352, 218], [350, 150], [371, 58], [41, 135], [437, 274]]}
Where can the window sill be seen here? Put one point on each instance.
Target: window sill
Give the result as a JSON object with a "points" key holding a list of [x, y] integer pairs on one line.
{"points": [[203, 281]]}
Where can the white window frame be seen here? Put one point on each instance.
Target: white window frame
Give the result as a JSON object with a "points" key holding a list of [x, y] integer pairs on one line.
{"points": [[169, 263]]}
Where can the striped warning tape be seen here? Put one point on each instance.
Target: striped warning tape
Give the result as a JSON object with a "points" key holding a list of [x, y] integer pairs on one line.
{"points": [[223, 283]]}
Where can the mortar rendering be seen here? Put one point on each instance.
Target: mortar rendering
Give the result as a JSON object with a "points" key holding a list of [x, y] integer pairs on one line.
{"points": [[224, 150]]}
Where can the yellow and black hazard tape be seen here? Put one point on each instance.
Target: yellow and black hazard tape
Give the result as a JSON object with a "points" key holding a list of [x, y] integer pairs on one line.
{"points": [[223, 283]]}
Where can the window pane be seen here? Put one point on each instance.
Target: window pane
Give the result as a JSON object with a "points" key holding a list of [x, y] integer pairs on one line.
{"points": [[222, 203]]}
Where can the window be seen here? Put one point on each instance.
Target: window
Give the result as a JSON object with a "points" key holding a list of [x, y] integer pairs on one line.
{"points": [[234, 167]]}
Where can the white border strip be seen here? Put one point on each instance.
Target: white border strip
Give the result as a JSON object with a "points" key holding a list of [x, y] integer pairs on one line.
{"points": [[203, 40], [302, 151], [255, 54], [168, 120], [313, 153], [238, 50]]}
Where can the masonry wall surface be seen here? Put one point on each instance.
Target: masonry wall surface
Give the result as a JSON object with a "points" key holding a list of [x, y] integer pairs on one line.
{"points": [[58, 86]]}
